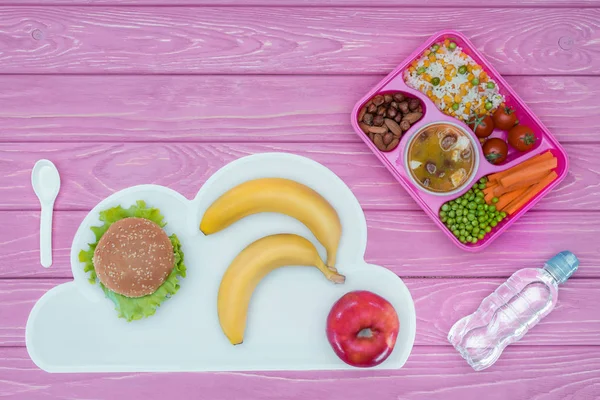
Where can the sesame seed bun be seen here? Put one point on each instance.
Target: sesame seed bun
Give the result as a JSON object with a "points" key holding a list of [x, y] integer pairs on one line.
{"points": [[134, 257]]}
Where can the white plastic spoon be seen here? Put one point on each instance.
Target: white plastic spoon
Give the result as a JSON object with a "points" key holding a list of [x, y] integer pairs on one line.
{"points": [[46, 184]]}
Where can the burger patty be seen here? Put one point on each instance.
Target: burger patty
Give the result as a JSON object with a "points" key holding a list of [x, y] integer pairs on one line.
{"points": [[134, 257]]}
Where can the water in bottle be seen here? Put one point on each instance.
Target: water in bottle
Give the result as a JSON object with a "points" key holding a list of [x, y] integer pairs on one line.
{"points": [[509, 312]]}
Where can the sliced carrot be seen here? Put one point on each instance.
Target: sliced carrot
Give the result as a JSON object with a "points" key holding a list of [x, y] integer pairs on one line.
{"points": [[531, 193], [488, 198], [525, 174], [500, 190], [506, 198], [533, 160]]}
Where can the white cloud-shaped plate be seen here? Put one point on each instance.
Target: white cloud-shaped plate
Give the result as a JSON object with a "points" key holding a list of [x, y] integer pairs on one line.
{"points": [[74, 328]]}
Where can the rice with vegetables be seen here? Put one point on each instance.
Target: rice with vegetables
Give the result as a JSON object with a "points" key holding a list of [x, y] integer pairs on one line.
{"points": [[454, 82]]}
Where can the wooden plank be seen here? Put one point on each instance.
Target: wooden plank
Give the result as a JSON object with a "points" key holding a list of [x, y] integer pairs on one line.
{"points": [[322, 3], [431, 373], [419, 247], [93, 171], [240, 108], [439, 304], [232, 40]]}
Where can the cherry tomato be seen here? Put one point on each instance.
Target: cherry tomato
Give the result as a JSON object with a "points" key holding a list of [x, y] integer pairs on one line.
{"points": [[522, 138], [505, 118], [482, 126], [495, 150]]}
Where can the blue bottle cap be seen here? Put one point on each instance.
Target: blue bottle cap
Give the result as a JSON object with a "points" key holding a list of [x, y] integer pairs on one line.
{"points": [[562, 266]]}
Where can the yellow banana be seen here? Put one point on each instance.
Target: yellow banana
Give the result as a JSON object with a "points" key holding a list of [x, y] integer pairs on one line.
{"points": [[281, 196], [254, 263]]}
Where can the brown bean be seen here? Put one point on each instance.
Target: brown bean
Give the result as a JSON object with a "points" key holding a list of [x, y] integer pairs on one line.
{"points": [[371, 136], [372, 108], [378, 129], [403, 106], [412, 117], [399, 97], [387, 138], [364, 127], [378, 100], [378, 120], [393, 144], [391, 112], [404, 125], [381, 110], [398, 118], [420, 108], [413, 104], [378, 141], [368, 119], [393, 104], [393, 126], [362, 113], [388, 98]]}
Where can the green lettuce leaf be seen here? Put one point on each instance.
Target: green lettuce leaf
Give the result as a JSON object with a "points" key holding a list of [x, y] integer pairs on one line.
{"points": [[140, 307]]}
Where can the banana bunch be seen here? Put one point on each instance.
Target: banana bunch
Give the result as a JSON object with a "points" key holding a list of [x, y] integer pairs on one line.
{"points": [[264, 255]]}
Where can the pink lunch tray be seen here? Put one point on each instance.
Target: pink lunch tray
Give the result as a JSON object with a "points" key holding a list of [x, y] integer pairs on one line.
{"points": [[394, 160]]}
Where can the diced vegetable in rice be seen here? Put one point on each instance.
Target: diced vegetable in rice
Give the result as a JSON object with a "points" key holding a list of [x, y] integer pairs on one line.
{"points": [[454, 82]]}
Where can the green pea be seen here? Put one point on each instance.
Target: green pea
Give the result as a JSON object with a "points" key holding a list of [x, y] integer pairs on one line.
{"points": [[483, 225], [483, 180], [454, 206], [495, 200], [453, 227], [469, 228], [472, 206], [442, 213], [450, 221], [462, 239], [488, 229], [469, 238], [475, 81], [486, 207], [481, 236], [481, 194], [481, 207], [470, 217], [479, 201], [445, 207], [482, 186], [503, 214], [459, 212], [480, 213], [451, 214], [475, 222], [490, 85], [435, 48], [482, 218], [474, 240], [452, 46], [465, 220], [455, 106], [420, 70], [435, 81], [464, 202], [499, 218], [455, 232], [493, 224], [444, 219], [462, 69], [488, 105], [463, 232], [491, 208], [476, 230]]}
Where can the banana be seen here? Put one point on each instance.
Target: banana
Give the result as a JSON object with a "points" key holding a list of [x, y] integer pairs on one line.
{"points": [[278, 195], [254, 263]]}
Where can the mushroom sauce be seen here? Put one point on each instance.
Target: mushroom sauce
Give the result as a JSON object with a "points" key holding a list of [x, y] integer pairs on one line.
{"points": [[441, 157]]}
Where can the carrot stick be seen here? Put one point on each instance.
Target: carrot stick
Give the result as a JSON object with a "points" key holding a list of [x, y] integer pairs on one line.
{"points": [[533, 170], [533, 160], [500, 190], [488, 198], [506, 198], [531, 193]]}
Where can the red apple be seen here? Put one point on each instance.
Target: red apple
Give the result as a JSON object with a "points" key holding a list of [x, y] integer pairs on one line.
{"points": [[362, 328]]}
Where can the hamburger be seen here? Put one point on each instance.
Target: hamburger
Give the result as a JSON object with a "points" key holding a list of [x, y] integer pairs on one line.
{"points": [[134, 261]]}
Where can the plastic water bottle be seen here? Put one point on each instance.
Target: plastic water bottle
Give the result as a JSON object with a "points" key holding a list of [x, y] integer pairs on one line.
{"points": [[507, 314]]}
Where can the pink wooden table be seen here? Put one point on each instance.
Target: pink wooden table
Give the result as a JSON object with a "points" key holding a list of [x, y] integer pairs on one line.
{"points": [[124, 92]]}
